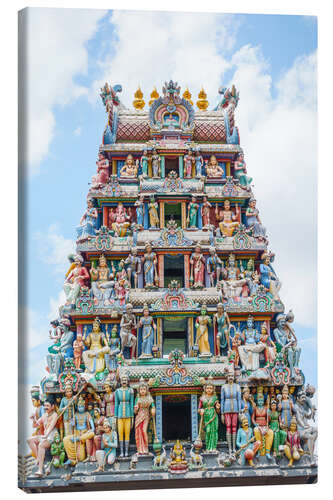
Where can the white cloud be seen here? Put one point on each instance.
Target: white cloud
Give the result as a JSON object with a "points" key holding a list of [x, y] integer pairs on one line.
{"points": [[56, 53], [54, 248], [78, 131]]}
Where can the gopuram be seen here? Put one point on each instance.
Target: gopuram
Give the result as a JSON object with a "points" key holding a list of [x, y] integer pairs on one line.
{"points": [[173, 359]]}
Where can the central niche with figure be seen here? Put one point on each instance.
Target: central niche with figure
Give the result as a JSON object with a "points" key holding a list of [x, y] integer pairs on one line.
{"points": [[171, 164], [174, 335], [174, 269]]}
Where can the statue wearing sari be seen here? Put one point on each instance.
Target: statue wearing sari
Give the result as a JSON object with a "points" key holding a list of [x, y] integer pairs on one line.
{"points": [[209, 407], [144, 409], [202, 339]]}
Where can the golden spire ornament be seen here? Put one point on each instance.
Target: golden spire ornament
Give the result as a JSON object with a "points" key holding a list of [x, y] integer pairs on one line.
{"points": [[187, 96], [138, 102], [202, 102], [154, 95]]}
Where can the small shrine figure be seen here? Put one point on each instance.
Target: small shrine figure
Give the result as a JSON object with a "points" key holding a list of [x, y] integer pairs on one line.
{"points": [[144, 163], [197, 263], [109, 442], [102, 176], [280, 435], [260, 421], [246, 406], [156, 164], [189, 162], [130, 169], [214, 267], [199, 163], [42, 442], [88, 223], [202, 338], [102, 282], [154, 220], [148, 326], [252, 346], [240, 172], [140, 210], [228, 220], [144, 410], [270, 349], [149, 261], [57, 451], [213, 169], [112, 356], [127, 327], [77, 278], [247, 448], [253, 221], [133, 263], [119, 220], [231, 406], [209, 408], [292, 448], [286, 408], [108, 398], [236, 341], [178, 462], [192, 214], [97, 348], [79, 445], [286, 340], [124, 411], [205, 213], [232, 283], [78, 346], [222, 325], [98, 423]]}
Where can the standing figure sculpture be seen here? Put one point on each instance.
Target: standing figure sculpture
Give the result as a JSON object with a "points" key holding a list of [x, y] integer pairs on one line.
{"points": [[97, 348], [286, 341], [231, 405], [253, 221], [124, 411], [156, 164], [214, 267], [209, 407], [222, 326], [205, 213], [88, 222], [78, 347], [192, 214], [154, 220], [280, 435], [144, 163], [102, 282], [202, 338], [240, 172], [109, 397], [114, 344], [308, 433], [77, 278], [127, 327], [262, 431], [133, 264], [130, 169], [148, 326], [268, 277], [197, 262], [199, 163], [67, 404], [247, 409], [144, 409], [150, 267], [286, 408], [228, 221], [79, 445], [189, 161], [140, 211], [102, 176]]}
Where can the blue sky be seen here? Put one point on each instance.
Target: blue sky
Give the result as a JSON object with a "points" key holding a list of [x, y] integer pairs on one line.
{"points": [[272, 61]]}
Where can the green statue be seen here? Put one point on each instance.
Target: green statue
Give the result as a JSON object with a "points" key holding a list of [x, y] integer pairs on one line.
{"points": [[57, 451]]}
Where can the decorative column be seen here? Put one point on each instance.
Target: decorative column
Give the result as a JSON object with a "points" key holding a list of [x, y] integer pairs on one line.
{"points": [[194, 416], [181, 166], [162, 167], [105, 216], [158, 403], [160, 336], [114, 167], [183, 214], [200, 216], [162, 216], [160, 264], [228, 169], [190, 339], [187, 271]]}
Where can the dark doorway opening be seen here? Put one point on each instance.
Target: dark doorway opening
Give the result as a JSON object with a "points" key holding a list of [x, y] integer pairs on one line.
{"points": [[174, 335], [176, 417], [173, 211], [174, 269], [171, 164]]}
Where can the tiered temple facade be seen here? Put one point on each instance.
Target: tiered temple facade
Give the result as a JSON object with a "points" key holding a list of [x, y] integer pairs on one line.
{"points": [[172, 303]]}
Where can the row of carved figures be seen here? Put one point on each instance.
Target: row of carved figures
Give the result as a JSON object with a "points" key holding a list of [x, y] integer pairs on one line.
{"points": [[121, 219], [91, 426], [194, 167]]}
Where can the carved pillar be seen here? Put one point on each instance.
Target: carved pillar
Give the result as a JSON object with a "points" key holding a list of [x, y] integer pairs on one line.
{"points": [[158, 402], [160, 336], [187, 271], [181, 166], [184, 214], [190, 336], [162, 167], [228, 169], [105, 216], [162, 216], [194, 416], [114, 167], [160, 264]]}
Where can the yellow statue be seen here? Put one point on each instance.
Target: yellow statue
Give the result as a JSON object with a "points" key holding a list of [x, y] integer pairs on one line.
{"points": [[213, 168], [138, 102], [79, 445], [187, 96], [178, 457], [96, 342], [202, 102], [153, 96], [130, 169], [202, 340]]}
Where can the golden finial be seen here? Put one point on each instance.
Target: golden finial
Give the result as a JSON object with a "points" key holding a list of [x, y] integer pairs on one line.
{"points": [[187, 96], [138, 102], [154, 95], [202, 102]]}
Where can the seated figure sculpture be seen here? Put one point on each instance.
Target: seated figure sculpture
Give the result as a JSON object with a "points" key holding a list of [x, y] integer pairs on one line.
{"points": [[130, 169], [232, 283], [286, 340], [228, 221], [120, 220], [260, 419], [88, 222], [213, 169], [76, 279], [97, 348], [268, 277], [58, 353], [251, 347], [102, 282]]}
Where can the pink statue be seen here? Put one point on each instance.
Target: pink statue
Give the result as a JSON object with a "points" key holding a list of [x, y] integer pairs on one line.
{"points": [[102, 176], [189, 161], [144, 408], [78, 346], [119, 219], [205, 213], [197, 262]]}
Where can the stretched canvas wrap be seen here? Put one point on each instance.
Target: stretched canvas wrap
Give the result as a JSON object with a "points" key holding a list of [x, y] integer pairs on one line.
{"points": [[168, 323]]}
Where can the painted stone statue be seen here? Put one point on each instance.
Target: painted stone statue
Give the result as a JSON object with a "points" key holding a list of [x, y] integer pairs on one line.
{"points": [[150, 267], [112, 356], [102, 176], [199, 163], [292, 448], [214, 267], [88, 222], [79, 445], [228, 220], [246, 443], [240, 172], [197, 263], [102, 282], [286, 340], [222, 326], [140, 211], [232, 283], [130, 169], [97, 348], [155, 164], [109, 443], [124, 412], [249, 351], [133, 266], [120, 220], [213, 169], [253, 221], [144, 163], [231, 406], [144, 410], [308, 433], [192, 214], [77, 278], [260, 420], [154, 220], [205, 213], [268, 277], [127, 327], [202, 337], [209, 408], [189, 162], [280, 435], [148, 326]]}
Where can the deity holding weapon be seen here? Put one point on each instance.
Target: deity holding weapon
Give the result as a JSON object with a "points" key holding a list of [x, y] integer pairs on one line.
{"points": [[228, 221], [130, 169], [79, 445]]}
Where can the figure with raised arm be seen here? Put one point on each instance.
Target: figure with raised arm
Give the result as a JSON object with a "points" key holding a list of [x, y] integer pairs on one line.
{"points": [[228, 220], [79, 445], [88, 223], [77, 278], [286, 340], [127, 326], [213, 169], [97, 348], [102, 282], [102, 176]]}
